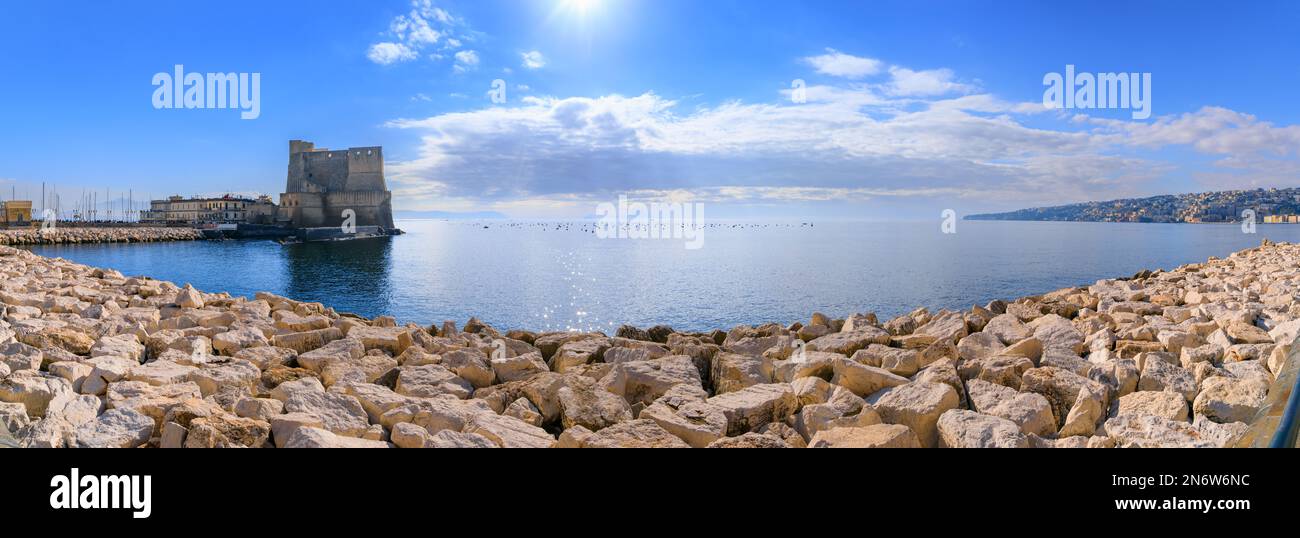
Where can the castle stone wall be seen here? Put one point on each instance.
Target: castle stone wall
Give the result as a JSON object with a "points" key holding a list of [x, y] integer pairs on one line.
{"points": [[323, 183]]}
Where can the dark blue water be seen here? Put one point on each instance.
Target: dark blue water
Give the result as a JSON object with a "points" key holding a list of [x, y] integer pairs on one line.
{"points": [[552, 277]]}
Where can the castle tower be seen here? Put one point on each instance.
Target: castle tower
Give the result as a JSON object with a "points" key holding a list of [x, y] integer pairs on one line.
{"points": [[323, 184]]}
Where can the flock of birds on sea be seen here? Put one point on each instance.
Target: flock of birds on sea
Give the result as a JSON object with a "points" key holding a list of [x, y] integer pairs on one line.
{"points": [[593, 227]]}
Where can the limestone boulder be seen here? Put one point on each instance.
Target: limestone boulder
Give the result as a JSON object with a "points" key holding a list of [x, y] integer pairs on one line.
{"points": [[1226, 399], [980, 345], [338, 413], [35, 391], [959, 428], [222, 430], [903, 362], [753, 407], [583, 402], [1001, 369], [1055, 331], [258, 408], [368, 369], [1245, 333], [733, 371], [231, 342], [265, 357], [1166, 405], [864, 380], [431, 380], [1061, 388], [646, 381], [848, 342], [632, 434], [875, 436], [1088, 409], [1161, 375], [751, 440], [234, 374], [578, 352], [116, 428], [310, 437], [1031, 412], [947, 326], [1150, 431], [810, 364], [17, 356], [392, 340], [160, 372], [121, 345], [338, 349], [471, 364], [519, 367], [1008, 329], [689, 417], [917, 406]]}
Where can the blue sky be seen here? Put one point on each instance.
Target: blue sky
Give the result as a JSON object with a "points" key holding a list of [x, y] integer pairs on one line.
{"points": [[913, 107]]}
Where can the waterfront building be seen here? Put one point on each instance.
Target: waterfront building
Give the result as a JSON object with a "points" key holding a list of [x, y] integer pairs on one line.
{"points": [[16, 212], [228, 209]]}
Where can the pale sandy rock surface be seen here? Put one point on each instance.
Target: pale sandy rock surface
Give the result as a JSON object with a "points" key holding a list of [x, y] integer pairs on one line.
{"points": [[93, 358]]}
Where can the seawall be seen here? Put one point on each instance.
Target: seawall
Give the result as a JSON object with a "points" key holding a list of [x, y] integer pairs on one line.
{"points": [[65, 235], [1185, 357]]}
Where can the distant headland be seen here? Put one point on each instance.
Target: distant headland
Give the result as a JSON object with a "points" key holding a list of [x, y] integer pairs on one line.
{"points": [[1267, 205]]}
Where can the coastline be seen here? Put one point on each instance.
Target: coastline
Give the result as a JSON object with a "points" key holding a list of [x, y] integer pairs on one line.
{"points": [[1178, 358], [62, 235]]}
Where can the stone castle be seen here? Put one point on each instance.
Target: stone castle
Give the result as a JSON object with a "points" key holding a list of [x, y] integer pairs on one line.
{"points": [[323, 184]]}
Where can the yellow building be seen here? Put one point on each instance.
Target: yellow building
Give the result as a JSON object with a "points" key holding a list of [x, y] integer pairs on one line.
{"points": [[16, 212]]}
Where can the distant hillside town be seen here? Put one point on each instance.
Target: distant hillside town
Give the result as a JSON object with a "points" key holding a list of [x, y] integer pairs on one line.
{"points": [[1269, 205]]}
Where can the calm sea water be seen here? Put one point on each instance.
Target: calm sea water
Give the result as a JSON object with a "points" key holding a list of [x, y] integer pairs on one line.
{"points": [[551, 276]]}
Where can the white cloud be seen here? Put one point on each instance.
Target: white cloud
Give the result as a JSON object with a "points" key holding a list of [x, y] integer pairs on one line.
{"points": [[533, 59], [390, 53], [466, 60], [838, 64], [424, 26], [918, 136], [906, 82]]}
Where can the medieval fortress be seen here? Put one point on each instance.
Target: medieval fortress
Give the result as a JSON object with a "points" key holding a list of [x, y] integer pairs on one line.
{"points": [[323, 185]]}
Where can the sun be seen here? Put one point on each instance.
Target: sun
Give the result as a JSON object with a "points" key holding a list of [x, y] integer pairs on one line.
{"points": [[581, 7]]}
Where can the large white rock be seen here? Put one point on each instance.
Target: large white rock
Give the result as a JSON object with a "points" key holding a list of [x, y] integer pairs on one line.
{"points": [[959, 428], [1150, 431], [116, 428], [864, 380], [1161, 375], [875, 436], [917, 406], [1030, 411], [754, 407], [34, 390], [1167, 405], [1226, 399]]}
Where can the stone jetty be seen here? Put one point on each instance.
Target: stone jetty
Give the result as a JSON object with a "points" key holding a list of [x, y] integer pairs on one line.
{"points": [[61, 235], [93, 358]]}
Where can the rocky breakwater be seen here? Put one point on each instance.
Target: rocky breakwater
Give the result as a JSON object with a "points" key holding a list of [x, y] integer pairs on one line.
{"points": [[92, 358], [61, 235]]}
